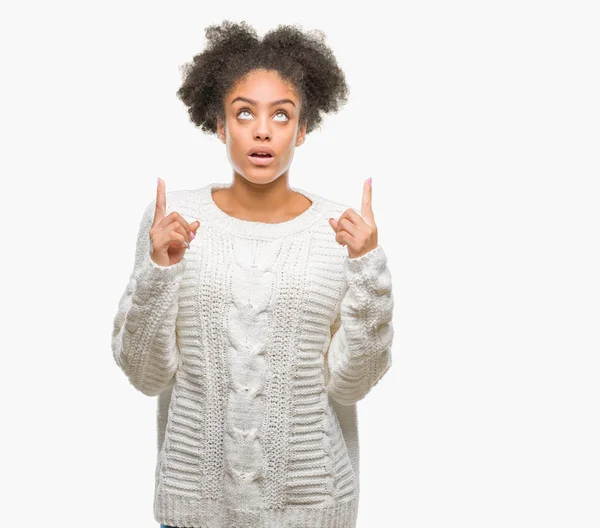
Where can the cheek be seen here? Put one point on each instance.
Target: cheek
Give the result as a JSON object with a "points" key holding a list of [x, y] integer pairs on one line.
{"points": [[290, 146], [234, 140]]}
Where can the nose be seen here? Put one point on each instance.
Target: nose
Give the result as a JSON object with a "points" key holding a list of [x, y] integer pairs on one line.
{"points": [[262, 130]]}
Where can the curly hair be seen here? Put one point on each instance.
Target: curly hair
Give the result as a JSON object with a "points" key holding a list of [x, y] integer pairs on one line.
{"points": [[234, 50]]}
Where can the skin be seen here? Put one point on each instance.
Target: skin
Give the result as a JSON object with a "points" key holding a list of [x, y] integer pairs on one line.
{"points": [[261, 193], [357, 231], [170, 235]]}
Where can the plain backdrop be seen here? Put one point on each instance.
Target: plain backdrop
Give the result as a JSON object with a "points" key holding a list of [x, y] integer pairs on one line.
{"points": [[478, 122]]}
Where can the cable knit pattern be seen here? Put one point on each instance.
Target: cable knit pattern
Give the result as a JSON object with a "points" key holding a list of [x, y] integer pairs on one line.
{"points": [[259, 344]]}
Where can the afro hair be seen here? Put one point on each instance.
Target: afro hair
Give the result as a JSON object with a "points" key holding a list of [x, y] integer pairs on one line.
{"points": [[234, 50]]}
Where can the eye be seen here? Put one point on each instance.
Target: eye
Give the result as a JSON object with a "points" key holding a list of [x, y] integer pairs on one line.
{"points": [[244, 110]]}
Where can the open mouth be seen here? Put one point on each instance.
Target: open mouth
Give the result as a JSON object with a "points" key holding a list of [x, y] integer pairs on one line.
{"points": [[261, 159]]}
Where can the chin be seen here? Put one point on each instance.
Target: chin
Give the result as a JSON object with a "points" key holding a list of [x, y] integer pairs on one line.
{"points": [[258, 175], [257, 180]]}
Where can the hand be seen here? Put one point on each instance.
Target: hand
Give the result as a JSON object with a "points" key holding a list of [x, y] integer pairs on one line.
{"points": [[358, 232], [170, 235]]}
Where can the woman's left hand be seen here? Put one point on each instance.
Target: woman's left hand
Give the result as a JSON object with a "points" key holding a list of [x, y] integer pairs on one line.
{"points": [[358, 232]]}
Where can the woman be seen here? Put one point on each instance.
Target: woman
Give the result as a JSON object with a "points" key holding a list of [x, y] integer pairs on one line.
{"points": [[259, 313]]}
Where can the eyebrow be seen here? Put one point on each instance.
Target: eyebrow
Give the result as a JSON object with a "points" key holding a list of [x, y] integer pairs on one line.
{"points": [[273, 103]]}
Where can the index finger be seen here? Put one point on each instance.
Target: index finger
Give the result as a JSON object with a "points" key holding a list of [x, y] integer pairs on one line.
{"points": [[367, 201], [161, 202]]}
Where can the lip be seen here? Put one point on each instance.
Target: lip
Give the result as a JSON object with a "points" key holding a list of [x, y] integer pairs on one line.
{"points": [[261, 148], [260, 161]]}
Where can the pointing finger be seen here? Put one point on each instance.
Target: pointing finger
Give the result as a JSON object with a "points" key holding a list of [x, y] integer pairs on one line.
{"points": [[366, 209], [161, 202]]}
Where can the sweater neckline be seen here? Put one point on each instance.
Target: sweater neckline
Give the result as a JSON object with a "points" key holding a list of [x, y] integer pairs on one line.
{"points": [[217, 217]]}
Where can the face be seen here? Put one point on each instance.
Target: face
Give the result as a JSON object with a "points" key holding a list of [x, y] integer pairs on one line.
{"points": [[261, 111]]}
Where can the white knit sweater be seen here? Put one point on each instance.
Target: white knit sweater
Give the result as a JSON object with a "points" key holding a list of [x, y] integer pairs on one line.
{"points": [[258, 343]]}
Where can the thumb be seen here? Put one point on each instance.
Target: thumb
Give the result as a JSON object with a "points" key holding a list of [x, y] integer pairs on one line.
{"points": [[195, 225]]}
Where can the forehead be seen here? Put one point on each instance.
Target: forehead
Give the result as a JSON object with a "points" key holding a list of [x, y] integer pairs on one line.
{"points": [[263, 86]]}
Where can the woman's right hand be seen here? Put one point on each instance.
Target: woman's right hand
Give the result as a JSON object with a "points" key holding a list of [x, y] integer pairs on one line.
{"points": [[170, 235]]}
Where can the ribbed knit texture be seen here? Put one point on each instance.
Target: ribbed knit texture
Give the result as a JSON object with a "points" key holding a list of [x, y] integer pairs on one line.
{"points": [[258, 344]]}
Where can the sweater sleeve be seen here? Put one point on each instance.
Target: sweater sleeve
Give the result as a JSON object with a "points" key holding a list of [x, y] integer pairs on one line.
{"points": [[144, 342], [359, 352]]}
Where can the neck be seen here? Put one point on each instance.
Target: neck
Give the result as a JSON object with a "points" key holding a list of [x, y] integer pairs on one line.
{"points": [[274, 198]]}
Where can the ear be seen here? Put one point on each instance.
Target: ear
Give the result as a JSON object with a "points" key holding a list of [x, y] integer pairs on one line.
{"points": [[221, 133], [301, 134]]}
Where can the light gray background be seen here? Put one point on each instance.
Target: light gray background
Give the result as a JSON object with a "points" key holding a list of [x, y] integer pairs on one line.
{"points": [[478, 122]]}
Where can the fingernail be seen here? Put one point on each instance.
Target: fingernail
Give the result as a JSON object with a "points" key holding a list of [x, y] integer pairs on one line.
{"points": [[187, 245], [370, 181], [192, 235]]}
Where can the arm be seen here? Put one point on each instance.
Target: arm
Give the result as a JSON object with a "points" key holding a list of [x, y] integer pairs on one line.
{"points": [[143, 339], [359, 353]]}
